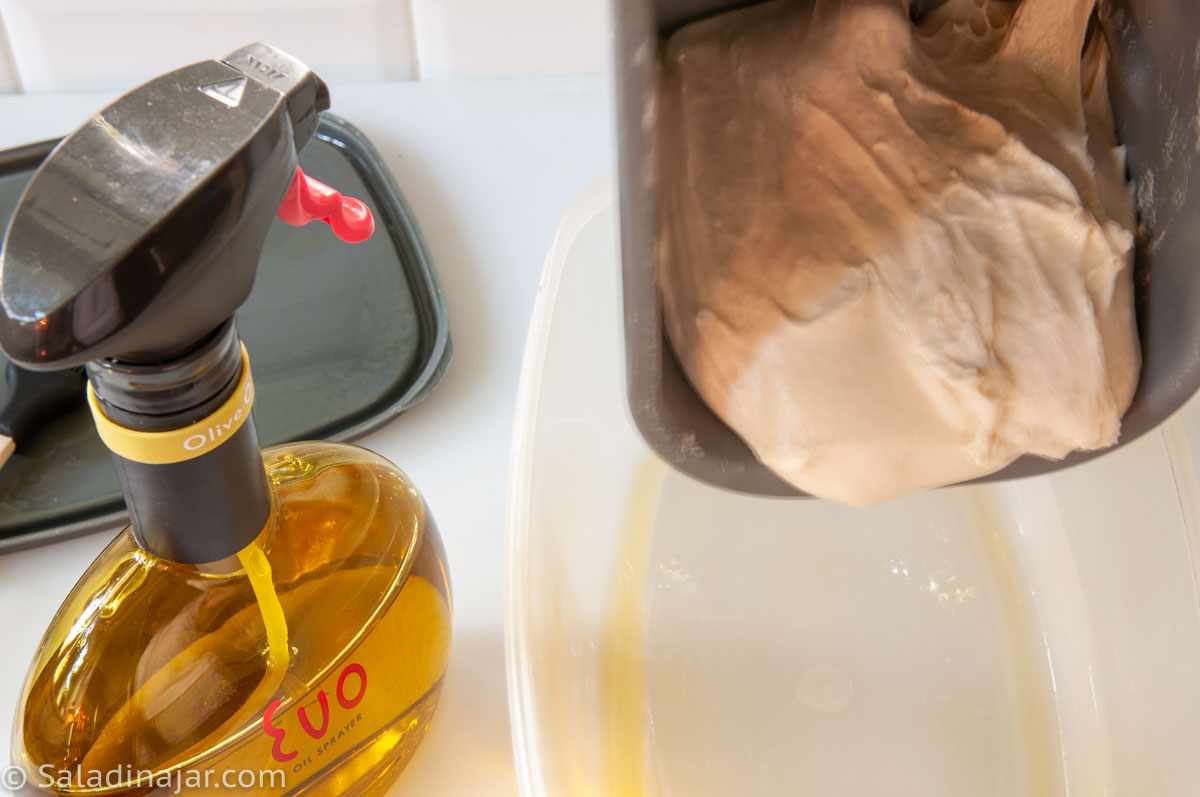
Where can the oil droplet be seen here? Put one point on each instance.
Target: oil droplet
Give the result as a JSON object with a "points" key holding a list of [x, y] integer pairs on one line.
{"points": [[285, 468], [825, 688]]}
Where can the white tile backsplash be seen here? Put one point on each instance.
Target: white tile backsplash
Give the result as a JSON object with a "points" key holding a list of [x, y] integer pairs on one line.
{"points": [[79, 45], [8, 70], [457, 38], [112, 44]]}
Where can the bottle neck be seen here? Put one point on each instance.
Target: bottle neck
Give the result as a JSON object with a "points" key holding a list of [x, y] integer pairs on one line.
{"points": [[185, 448]]}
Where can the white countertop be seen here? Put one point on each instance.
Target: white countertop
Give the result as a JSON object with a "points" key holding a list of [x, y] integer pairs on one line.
{"points": [[488, 167]]}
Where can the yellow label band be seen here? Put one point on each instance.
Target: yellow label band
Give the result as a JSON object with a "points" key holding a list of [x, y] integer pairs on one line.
{"points": [[179, 445]]}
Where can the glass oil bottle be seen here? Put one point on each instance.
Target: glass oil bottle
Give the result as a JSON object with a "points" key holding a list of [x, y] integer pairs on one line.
{"points": [[272, 622]]}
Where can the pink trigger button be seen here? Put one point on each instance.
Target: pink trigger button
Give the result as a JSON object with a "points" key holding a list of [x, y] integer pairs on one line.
{"points": [[307, 200]]}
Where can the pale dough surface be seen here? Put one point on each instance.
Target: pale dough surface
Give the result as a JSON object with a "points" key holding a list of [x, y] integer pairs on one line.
{"points": [[896, 256]]}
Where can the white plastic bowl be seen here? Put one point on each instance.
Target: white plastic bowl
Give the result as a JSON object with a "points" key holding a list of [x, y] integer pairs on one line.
{"points": [[1039, 637]]}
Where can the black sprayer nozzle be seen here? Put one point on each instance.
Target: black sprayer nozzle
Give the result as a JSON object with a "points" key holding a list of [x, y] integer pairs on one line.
{"points": [[130, 250], [140, 234]]}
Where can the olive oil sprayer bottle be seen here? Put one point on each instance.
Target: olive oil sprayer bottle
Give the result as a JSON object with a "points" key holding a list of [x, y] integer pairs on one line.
{"points": [[272, 622]]}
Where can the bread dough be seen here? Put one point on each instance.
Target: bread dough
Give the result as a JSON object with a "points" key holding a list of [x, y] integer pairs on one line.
{"points": [[897, 255]]}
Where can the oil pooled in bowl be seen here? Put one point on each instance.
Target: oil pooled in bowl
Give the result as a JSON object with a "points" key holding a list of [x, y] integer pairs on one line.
{"points": [[756, 645]]}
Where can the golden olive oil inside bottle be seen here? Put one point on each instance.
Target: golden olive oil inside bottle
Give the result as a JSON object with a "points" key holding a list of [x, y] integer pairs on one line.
{"points": [[168, 673]]}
